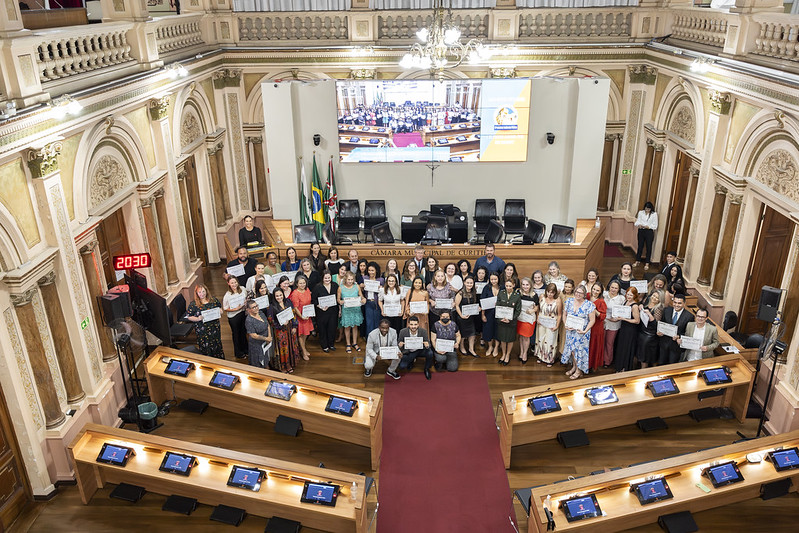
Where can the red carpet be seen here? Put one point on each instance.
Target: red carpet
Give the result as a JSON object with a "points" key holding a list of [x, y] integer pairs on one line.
{"points": [[441, 469], [401, 140], [612, 250]]}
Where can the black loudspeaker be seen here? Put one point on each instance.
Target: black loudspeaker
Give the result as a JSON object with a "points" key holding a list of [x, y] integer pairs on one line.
{"points": [[769, 303], [228, 515], [115, 307], [775, 489], [573, 438], [180, 504], [277, 524], [287, 425], [651, 424]]}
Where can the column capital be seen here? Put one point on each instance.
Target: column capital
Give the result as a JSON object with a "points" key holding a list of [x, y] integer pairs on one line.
{"points": [[147, 202], [158, 194], [502, 72], [158, 108], [720, 102], [44, 161], [254, 139], [720, 189], [693, 171], [18, 300], [736, 198], [215, 148], [610, 137], [363, 73], [659, 147], [226, 77], [89, 247], [650, 142], [47, 279], [182, 174], [642, 74]]}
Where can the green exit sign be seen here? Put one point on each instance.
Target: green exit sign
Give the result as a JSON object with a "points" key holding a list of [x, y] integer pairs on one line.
{"points": [[626, 171], [84, 323]]}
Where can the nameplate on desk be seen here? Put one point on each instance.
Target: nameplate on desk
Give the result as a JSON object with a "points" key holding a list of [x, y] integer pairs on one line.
{"points": [[407, 219], [488, 303], [413, 343], [418, 308], [210, 315], [236, 270], [285, 316], [327, 301]]}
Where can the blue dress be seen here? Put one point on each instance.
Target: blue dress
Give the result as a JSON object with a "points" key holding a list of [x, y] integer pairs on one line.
{"points": [[490, 325], [575, 342]]}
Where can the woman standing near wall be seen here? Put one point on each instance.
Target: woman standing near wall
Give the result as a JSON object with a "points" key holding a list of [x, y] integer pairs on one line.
{"points": [[647, 223]]}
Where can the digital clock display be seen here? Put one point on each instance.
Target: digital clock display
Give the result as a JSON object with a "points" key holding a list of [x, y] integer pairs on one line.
{"points": [[125, 262]]}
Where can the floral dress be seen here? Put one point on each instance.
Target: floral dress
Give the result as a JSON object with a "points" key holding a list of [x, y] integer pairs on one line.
{"points": [[209, 334], [576, 343], [285, 342], [546, 340]]}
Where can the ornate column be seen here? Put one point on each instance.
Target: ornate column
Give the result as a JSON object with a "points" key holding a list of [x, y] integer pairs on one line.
{"points": [[63, 346], [712, 237], [150, 229], [604, 180], [222, 176], [184, 207], [615, 171], [687, 219], [725, 251], [216, 186], [228, 95], [89, 255], [643, 194], [261, 192], [654, 177], [166, 238], [42, 376]]}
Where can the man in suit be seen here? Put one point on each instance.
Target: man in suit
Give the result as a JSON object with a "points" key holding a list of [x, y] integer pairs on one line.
{"points": [[382, 337], [410, 355], [679, 316], [671, 260], [418, 258], [702, 330], [353, 264]]}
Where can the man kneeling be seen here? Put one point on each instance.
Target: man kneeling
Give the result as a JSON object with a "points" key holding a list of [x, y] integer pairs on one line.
{"points": [[414, 342], [445, 339], [379, 345]]}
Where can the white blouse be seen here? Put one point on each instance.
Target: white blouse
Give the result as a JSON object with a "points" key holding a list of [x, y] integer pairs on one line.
{"points": [[619, 299], [650, 220]]}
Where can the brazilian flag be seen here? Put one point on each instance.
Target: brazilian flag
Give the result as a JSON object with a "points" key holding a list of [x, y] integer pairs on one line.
{"points": [[317, 205]]}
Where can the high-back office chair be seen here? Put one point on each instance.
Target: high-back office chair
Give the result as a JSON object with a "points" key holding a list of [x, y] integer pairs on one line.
{"points": [[533, 233], [485, 210], [381, 233], [730, 323], [514, 218], [331, 237], [374, 212], [494, 233], [561, 234], [304, 234], [349, 218], [437, 230], [178, 329]]}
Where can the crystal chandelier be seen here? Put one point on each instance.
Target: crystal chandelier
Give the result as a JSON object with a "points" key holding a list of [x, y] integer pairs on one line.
{"points": [[440, 45]]}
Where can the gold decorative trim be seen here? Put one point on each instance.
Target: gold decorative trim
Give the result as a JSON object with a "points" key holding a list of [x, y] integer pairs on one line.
{"points": [[158, 108], [47, 279], [44, 161]]}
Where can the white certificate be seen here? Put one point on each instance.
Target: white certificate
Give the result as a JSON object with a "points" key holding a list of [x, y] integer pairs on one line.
{"points": [[371, 285], [690, 343], [575, 322], [539, 292], [265, 347], [404, 289], [389, 352], [276, 277], [327, 301], [479, 286], [488, 303], [418, 308], [547, 321], [308, 311], [236, 270], [262, 301], [391, 309], [527, 304], [285, 316], [559, 283], [640, 285], [667, 329], [503, 312], [355, 301], [524, 316], [413, 343], [443, 303], [470, 309], [644, 318], [270, 283], [622, 311], [444, 345], [211, 314], [237, 300]]}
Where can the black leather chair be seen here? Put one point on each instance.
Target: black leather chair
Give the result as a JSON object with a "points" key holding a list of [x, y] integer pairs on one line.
{"points": [[561, 234], [381, 233], [730, 323], [332, 238], [533, 233], [436, 231], [514, 217], [495, 233], [348, 219], [304, 234], [179, 329], [374, 212], [485, 210]]}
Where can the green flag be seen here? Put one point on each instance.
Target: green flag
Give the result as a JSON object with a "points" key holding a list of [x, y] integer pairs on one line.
{"points": [[305, 215]]}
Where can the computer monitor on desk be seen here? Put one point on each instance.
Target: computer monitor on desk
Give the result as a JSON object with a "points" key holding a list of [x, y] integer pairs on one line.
{"points": [[446, 210]]}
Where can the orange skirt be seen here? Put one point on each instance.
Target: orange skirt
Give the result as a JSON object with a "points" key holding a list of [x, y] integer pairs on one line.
{"points": [[524, 329]]}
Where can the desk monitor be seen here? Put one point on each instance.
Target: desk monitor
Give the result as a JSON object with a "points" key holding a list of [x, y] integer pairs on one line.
{"points": [[320, 493], [723, 474], [460, 138], [602, 395], [786, 459], [342, 406], [443, 141], [246, 478], [223, 380], [717, 376], [355, 139], [180, 368], [280, 390], [662, 387], [544, 404], [177, 463], [581, 508], [445, 210], [115, 455], [652, 491]]}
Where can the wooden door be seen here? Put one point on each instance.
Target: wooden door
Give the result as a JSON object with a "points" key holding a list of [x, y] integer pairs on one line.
{"points": [[195, 211], [679, 191], [14, 487], [112, 238], [766, 266]]}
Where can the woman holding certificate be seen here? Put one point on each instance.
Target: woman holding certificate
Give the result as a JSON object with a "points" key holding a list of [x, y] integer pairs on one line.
{"points": [[580, 318], [313, 276], [596, 348], [209, 333], [565, 294], [488, 301], [258, 335], [480, 282], [525, 326], [612, 324], [467, 308], [624, 277], [351, 299], [546, 335], [409, 273], [452, 278], [324, 298], [233, 305], [431, 267], [304, 310], [627, 338], [440, 294], [416, 303], [291, 262], [284, 325], [509, 305], [371, 289], [553, 275], [391, 303], [333, 261], [648, 345]]}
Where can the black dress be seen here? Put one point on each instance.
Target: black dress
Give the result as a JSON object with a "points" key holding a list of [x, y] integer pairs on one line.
{"points": [[467, 325], [626, 346]]}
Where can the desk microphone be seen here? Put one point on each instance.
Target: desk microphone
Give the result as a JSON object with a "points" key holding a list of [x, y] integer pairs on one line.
{"points": [[550, 520], [543, 393]]}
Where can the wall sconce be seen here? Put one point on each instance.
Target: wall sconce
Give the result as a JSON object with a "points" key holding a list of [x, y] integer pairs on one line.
{"points": [[65, 105], [550, 137]]}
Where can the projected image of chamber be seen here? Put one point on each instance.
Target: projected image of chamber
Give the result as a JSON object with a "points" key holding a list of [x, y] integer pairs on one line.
{"points": [[401, 121]]}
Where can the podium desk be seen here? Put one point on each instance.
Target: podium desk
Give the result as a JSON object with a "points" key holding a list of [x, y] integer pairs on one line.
{"points": [[413, 227], [279, 494], [364, 427], [521, 426], [622, 509]]}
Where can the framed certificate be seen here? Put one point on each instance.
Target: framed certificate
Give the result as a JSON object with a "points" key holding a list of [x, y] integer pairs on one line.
{"points": [[575, 322], [285, 316], [389, 352], [547, 321], [328, 301], [488, 303], [622, 311], [211, 314], [308, 311], [262, 301], [414, 343], [669, 330], [355, 301], [371, 285], [443, 303], [418, 308], [391, 309], [503, 312], [470, 309], [445, 345], [690, 343], [236, 270]]}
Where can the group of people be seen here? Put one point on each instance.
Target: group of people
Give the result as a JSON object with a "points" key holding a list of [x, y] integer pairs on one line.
{"points": [[407, 118], [424, 309]]}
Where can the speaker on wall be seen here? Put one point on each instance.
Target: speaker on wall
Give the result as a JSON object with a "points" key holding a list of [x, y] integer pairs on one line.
{"points": [[769, 303], [115, 307]]}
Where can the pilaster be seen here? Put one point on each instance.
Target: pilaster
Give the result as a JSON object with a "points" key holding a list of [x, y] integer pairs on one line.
{"points": [[228, 98]]}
